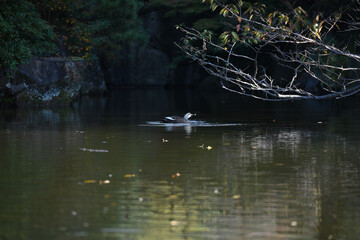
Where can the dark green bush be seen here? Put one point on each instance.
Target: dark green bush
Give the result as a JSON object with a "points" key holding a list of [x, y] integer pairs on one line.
{"points": [[106, 25], [23, 34]]}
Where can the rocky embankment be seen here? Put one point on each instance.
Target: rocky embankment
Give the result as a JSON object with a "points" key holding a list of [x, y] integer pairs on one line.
{"points": [[61, 80], [53, 81]]}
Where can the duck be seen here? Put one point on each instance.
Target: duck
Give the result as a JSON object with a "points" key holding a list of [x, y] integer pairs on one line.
{"points": [[177, 119]]}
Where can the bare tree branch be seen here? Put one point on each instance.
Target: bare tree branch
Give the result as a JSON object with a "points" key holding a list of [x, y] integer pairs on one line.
{"points": [[292, 40]]}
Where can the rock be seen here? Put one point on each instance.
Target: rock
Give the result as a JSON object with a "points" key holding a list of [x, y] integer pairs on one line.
{"points": [[153, 24], [309, 83], [189, 74], [155, 65], [141, 67], [44, 71], [153, 69], [93, 82], [15, 89], [51, 80], [211, 82], [55, 81]]}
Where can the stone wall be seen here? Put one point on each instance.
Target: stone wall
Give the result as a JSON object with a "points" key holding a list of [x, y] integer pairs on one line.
{"points": [[54, 81]]}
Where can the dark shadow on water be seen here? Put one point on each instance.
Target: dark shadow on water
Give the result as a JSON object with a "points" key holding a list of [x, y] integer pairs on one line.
{"points": [[219, 106], [132, 106]]}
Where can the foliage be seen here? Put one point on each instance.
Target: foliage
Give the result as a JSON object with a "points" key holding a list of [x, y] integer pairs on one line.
{"points": [[84, 24], [180, 7], [23, 34], [189, 11]]}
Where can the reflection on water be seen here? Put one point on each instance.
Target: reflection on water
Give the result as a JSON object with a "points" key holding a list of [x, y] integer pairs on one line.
{"points": [[188, 127], [94, 171]]}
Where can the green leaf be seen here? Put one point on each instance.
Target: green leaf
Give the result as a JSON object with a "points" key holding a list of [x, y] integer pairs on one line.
{"points": [[235, 36]]}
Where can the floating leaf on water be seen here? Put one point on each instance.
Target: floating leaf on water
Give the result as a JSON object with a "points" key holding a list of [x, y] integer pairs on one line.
{"points": [[107, 196], [94, 150], [174, 223], [172, 197], [89, 181], [129, 175], [104, 182], [236, 197], [176, 175], [226, 144], [293, 224]]}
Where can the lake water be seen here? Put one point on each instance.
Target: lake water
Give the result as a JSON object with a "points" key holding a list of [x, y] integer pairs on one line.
{"points": [[258, 170]]}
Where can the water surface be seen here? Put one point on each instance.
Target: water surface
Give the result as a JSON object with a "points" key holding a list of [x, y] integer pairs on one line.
{"points": [[262, 171]]}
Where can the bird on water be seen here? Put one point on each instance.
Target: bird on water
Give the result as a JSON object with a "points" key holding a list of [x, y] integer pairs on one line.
{"points": [[177, 119]]}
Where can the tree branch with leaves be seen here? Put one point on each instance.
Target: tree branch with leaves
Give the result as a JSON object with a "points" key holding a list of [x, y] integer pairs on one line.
{"points": [[311, 48]]}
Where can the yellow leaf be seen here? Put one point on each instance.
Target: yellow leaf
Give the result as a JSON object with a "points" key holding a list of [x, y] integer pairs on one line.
{"points": [[172, 197], [129, 175], [236, 197], [89, 181]]}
